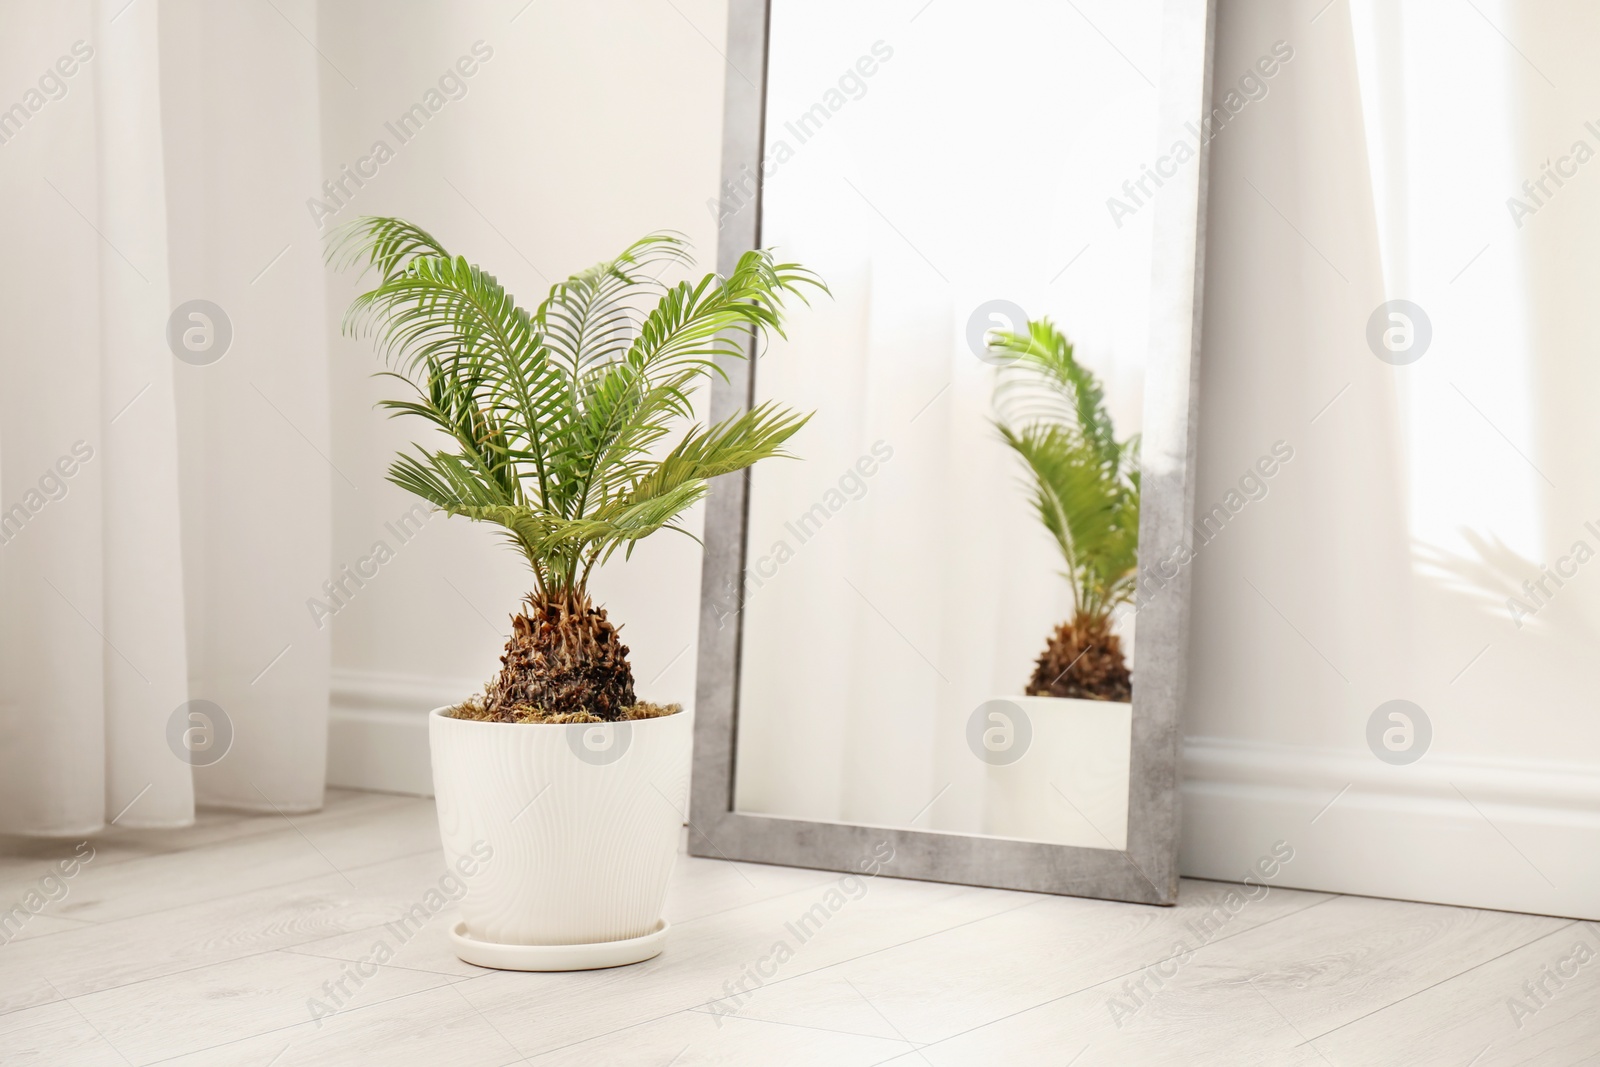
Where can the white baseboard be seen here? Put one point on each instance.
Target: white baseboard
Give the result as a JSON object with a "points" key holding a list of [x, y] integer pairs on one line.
{"points": [[1511, 835], [378, 729], [1486, 833]]}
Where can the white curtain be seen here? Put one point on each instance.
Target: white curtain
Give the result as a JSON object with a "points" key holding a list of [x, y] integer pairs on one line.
{"points": [[163, 521]]}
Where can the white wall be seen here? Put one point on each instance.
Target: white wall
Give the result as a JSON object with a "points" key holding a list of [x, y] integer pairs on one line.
{"points": [[594, 123], [1379, 565]]}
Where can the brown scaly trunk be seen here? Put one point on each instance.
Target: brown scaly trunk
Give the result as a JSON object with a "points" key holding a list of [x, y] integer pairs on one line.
{"points": [[564, 658], [1083, 659]]}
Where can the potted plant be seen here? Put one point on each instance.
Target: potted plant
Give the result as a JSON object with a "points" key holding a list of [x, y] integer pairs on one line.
{"points": [[553, 425], [1076, 712]]}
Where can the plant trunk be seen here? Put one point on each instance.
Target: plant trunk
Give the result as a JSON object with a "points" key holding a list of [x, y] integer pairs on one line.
{"points": [[564, 661], [1083, 659]]}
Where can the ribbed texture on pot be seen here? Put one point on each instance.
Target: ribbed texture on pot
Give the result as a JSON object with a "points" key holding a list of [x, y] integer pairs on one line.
{"points": [[581, 848]]}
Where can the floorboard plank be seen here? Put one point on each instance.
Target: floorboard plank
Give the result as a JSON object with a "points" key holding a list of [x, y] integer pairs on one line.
{"points": [[212, 945], [1515, 1008], [116, 953], [1010, 962]]}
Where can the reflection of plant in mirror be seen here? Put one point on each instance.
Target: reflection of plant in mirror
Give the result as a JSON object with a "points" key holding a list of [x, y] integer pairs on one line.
{"points": [[556, 419], [1085, 487]]}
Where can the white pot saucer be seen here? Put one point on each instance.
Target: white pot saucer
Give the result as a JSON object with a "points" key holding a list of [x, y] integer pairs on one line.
{"points": [[558, 957]]}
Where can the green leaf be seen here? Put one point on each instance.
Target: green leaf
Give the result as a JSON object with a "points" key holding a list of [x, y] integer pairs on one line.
{"points": [[554, 425], [1085, 484]]}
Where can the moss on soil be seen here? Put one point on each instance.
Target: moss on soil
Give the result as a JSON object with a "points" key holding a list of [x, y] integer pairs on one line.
{"points": [[474, 709]]}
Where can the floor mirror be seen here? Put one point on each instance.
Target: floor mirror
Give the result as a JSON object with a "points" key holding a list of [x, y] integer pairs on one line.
{"points": [[948, 641]]}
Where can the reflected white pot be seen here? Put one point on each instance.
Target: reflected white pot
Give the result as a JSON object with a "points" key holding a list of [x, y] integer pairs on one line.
{"points": [[581, 826], [1058, 769]]}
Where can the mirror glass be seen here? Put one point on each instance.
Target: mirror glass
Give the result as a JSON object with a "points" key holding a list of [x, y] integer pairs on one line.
{"points": [[952, 177]]}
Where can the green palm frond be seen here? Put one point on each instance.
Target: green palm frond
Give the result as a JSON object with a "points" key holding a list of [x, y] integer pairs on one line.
{"points": [[735, 443], [557, 420], [1085, 483], [386, 244], [1049, 385], [591, 314]]}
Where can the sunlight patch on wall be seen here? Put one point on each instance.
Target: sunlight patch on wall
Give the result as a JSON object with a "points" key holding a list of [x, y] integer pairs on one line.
{"points": [[1439, 99]]}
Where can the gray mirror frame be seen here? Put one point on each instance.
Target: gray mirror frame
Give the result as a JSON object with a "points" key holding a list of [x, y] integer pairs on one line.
{"points": [[1147, 872]]}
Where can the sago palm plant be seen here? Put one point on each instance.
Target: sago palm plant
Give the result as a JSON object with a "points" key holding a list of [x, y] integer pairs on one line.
{"points": [[554, 425], [1085, 486]]}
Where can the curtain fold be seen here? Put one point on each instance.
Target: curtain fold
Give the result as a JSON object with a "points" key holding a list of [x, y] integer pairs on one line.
{"points": [[141, 590], [164, 508]]}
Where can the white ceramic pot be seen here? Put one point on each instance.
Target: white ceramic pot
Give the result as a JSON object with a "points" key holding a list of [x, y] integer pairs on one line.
{"points": [[1058, 769], [580, 823]]}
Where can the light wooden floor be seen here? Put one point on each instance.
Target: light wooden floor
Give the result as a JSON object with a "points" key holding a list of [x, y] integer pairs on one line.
{"points": [[207, 945]]}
